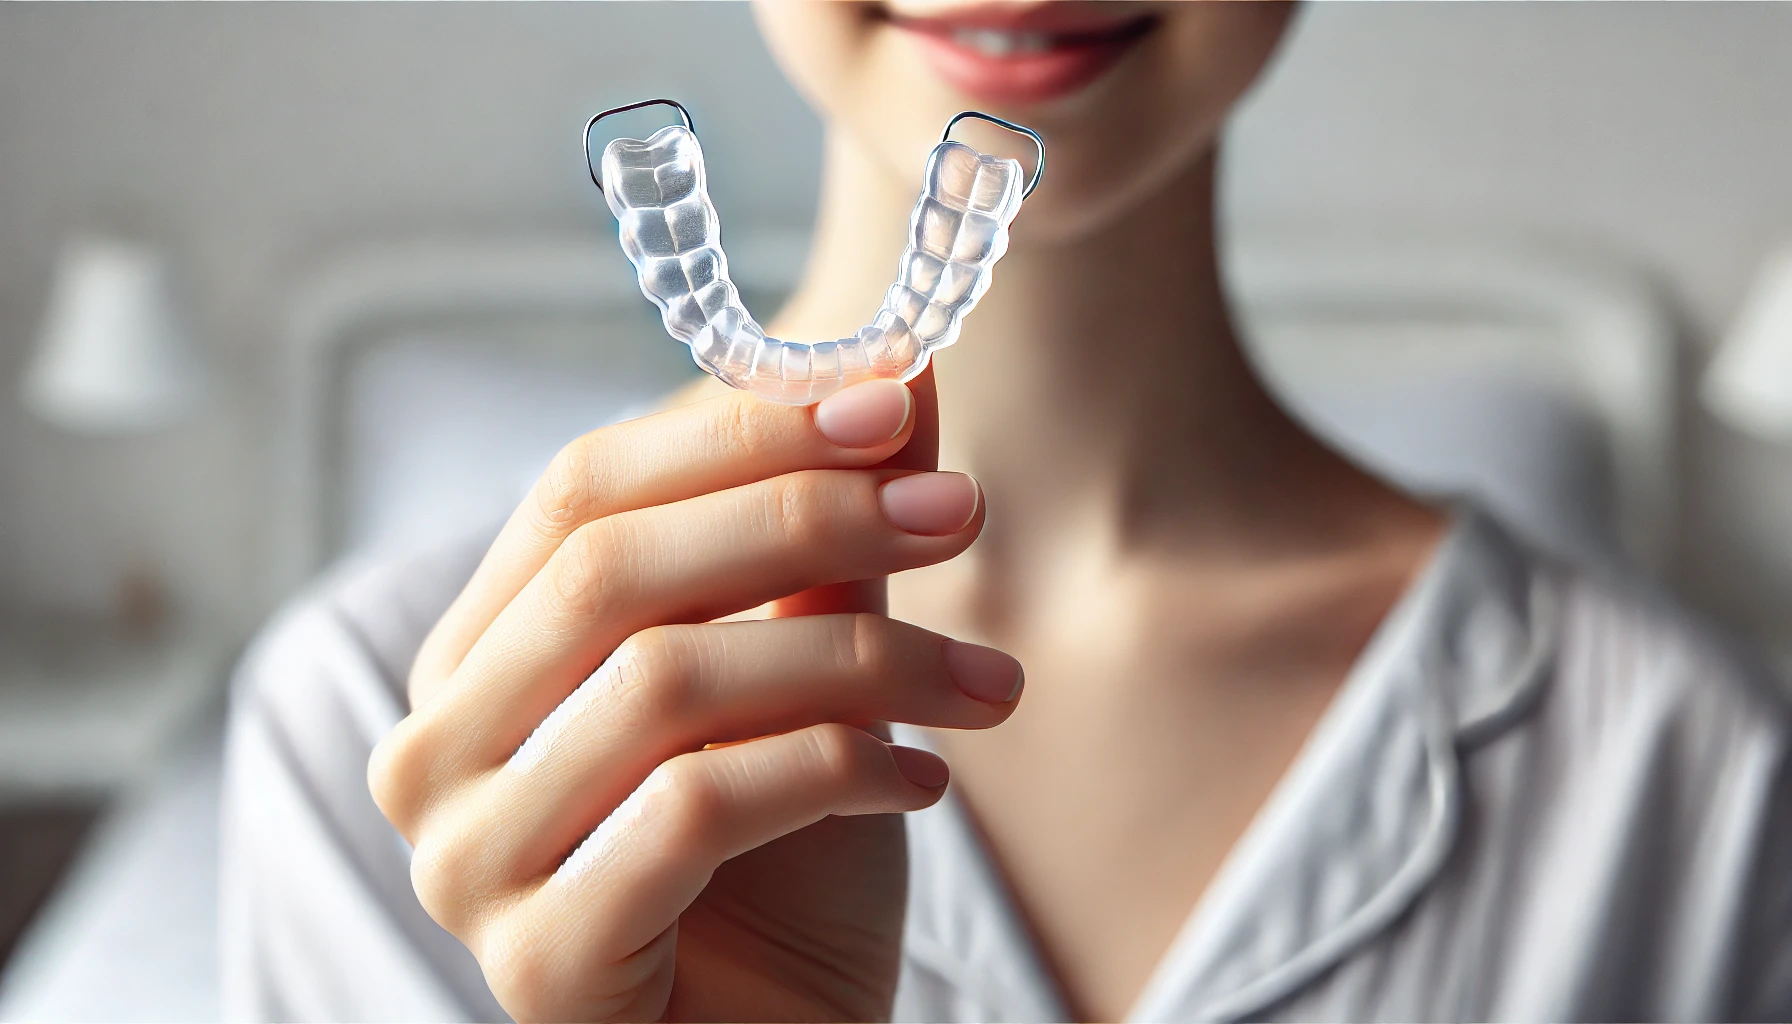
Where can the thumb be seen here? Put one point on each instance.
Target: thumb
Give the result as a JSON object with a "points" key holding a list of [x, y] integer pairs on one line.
{"points": [[922, 452]]}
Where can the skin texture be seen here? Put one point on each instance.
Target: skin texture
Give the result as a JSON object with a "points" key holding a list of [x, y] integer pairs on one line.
{"points": [[700, 830], [688, 904]]}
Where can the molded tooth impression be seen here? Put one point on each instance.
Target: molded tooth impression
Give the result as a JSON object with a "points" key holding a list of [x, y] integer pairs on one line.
{"points": [[670, 231]]}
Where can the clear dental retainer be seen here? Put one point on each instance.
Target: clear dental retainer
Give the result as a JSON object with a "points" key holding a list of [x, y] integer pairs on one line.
{"points": [[659, 192]]}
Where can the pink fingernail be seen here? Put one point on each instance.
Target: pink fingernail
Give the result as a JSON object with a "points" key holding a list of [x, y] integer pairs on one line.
{"points": [[982, 672], [930, 504], [865, 414], [920, 767]]}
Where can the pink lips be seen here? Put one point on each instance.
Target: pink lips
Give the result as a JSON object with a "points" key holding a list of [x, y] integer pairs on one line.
{"points": [[1016, 56]]}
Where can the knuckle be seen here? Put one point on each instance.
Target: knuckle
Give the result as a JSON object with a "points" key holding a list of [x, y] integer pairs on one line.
{"points": [[517, 970], [798, 508], [839, 754], [687, 801], [393, 773], [583, 564], [649, 677], [444, 874], [565, 495], [865, 643]]}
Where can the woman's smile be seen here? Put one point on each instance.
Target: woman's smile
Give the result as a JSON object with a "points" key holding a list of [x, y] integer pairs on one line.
{"points": [[1008, 54]]}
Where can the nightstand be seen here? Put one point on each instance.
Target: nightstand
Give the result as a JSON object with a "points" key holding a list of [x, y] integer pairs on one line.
{"points": [[86, 708], [93, 717]]}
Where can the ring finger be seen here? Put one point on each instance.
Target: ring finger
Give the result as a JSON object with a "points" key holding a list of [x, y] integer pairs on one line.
{"points": [[671, 690]]}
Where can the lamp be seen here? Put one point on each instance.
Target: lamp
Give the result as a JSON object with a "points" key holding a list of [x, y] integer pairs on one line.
{"points": [[1749, 382], [114, 356]]}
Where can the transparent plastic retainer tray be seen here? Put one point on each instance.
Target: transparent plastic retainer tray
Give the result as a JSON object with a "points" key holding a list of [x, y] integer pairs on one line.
{"points": [[658, 190]]}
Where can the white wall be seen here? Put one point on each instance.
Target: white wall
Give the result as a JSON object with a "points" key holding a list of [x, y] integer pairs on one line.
{"points": [[1659, 134], [254, 140]]}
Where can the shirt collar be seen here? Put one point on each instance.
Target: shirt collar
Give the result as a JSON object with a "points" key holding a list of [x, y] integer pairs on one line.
{"points": [[1352, 835]]}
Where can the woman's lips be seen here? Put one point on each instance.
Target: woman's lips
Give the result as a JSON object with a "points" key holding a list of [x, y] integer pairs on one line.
{"points": [[1018, 62]]}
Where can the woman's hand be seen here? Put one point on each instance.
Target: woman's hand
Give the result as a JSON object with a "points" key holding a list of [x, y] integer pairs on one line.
{"points": [[627, 811]]}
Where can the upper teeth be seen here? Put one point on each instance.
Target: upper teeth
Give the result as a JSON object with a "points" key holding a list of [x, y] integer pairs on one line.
{"points": [[994, 42]]}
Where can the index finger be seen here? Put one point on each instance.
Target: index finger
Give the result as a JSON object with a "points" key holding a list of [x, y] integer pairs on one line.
{"points": [[707, 446], [921, 452]]}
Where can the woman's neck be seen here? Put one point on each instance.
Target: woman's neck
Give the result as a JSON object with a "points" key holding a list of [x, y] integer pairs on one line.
{"points": [[1099, 377]]}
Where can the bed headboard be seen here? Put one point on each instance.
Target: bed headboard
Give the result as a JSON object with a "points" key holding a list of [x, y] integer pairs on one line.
{"points": [[457, 364], [1538, 379], [427, 382]]}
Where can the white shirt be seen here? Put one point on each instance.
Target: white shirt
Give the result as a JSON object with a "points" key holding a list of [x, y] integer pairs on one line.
{"points": [[1537, 796]]}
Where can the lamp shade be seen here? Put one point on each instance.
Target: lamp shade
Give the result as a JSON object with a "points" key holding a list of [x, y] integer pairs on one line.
{"points": [[114, 355], [1749, 383]]}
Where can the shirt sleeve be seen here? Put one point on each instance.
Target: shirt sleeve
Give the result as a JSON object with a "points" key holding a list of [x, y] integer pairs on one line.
{"points": [[318, 918], [1764, 973]]}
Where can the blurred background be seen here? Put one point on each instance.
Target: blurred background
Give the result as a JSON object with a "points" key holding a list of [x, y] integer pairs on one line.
{"points": [[284, 284]]}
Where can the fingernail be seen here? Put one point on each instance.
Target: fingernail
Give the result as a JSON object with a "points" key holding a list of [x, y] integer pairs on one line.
{"points": [[930, 504], [983, 672], [865, 414], [921, 768]]}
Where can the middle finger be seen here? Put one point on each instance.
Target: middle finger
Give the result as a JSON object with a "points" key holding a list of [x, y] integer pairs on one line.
{"points": [[690, 561]]}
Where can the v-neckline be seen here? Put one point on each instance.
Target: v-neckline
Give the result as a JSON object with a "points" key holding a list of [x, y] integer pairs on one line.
{"points": [[1387, 720]]}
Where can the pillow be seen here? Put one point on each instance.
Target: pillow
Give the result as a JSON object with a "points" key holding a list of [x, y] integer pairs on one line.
{"points": [[1453, 405], [443, 429]]}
